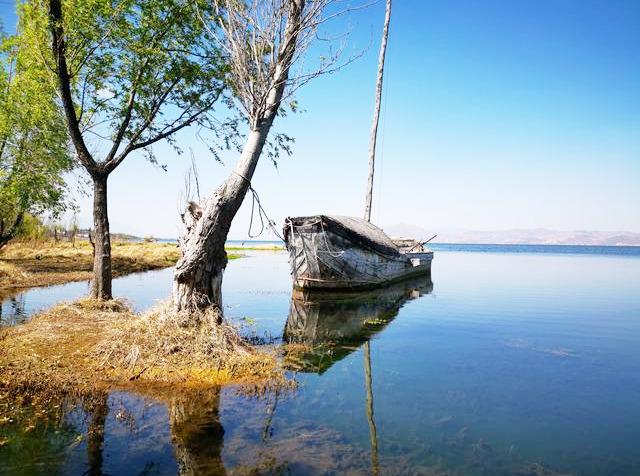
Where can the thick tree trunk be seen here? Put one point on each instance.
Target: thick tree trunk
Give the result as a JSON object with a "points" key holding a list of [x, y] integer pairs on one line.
{"points": [[197, 279], [376, 114], [101, 284]]}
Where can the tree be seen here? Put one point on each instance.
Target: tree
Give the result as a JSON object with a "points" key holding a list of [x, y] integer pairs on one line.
{"points": [[130, 73], [262, 40], [33, 142]]}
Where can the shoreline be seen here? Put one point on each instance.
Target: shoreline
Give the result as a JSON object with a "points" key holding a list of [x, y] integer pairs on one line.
{"points": [[26, 265]]}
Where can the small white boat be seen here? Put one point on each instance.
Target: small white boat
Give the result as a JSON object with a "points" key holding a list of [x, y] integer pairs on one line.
{"points": [[338, 252]]}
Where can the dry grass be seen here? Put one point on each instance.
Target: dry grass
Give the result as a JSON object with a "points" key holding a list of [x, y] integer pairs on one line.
{"points": [[25, 265], [165, 346], [54, 348], [95, 346]]}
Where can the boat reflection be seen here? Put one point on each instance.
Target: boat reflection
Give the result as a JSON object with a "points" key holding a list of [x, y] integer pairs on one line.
{"points": [[323, 328]]}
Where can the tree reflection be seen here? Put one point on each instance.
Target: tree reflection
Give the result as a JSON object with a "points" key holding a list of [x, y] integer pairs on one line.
{"points": [[98, 409], [197, 434]]}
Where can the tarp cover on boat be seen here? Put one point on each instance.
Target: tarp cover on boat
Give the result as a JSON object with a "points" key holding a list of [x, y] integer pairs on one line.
{"points": [[355, 229]]}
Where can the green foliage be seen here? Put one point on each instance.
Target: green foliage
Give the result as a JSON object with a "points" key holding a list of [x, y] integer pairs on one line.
{"points": [[139, 69], [32, 228], [33, 140]]}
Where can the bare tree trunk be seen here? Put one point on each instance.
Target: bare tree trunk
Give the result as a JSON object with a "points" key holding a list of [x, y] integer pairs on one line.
{"points": [[101, 284], [197, 280], [376, 114], [8, 235]]}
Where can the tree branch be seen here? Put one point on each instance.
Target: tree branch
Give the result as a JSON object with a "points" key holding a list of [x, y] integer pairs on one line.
{"points": [[166, 132], [127, 118], [64, 83]]}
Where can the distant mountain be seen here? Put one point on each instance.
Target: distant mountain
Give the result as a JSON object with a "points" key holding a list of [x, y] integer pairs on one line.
{"points": [[539, 236]]}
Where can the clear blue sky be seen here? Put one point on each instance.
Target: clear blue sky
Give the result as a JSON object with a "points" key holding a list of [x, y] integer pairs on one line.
{"points": [[496, 115]]}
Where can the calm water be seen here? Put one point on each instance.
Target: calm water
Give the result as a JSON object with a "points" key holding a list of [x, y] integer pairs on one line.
{"points": [[511, 361]]}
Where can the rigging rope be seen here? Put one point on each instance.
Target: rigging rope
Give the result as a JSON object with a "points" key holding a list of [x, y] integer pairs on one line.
{"points": [[265, 221]]}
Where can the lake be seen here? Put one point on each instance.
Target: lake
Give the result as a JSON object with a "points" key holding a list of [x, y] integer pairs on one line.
{"points": [[509, 360]]}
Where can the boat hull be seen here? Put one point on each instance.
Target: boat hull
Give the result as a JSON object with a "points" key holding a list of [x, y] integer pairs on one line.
{"points": [[324, 258]]}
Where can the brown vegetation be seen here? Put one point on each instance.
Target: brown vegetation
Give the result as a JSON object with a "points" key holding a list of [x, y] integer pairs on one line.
{"points": [[24, 265], [93, 345], [27, 264]]}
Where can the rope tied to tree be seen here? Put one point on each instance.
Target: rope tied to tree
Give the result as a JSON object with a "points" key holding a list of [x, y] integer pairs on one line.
{"points": [[265, 221]]}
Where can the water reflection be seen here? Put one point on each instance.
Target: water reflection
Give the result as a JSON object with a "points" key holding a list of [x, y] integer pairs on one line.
{"points": [[330, 326], [96, 410], [197, 434], [12, 310]]}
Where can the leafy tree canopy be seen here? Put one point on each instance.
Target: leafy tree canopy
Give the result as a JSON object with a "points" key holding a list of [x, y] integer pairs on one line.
{"points": [[139, 70], [34, 151]]}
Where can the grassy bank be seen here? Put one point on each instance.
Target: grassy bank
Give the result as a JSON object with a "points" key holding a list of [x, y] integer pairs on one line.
{"points": [[94, 346], [25, 265]]}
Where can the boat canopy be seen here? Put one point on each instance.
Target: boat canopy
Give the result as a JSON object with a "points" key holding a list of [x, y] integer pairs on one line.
{"points": [[355, 229]]}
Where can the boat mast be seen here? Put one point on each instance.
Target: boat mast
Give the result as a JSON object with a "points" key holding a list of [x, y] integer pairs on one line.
{"points": [[376, 113], [373, 432]]}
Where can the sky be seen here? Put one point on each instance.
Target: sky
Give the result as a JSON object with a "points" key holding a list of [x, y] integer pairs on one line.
{"points": [[496, 115]]}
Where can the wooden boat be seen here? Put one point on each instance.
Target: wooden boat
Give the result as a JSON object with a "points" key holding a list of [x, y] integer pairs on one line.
{"points": [[337, 252]]}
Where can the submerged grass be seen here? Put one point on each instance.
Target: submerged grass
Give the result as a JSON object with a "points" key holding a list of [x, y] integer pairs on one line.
{"points": [[93, 346]]}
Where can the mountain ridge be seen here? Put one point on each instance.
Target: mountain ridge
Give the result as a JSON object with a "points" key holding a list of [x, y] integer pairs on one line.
{"points": [[518, 236]]}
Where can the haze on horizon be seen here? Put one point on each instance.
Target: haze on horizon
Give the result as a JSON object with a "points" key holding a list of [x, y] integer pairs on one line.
{"points": [[496, 116]]}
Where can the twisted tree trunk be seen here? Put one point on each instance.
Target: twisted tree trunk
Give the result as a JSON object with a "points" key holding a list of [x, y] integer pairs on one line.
{"points": [[198, 276]]}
